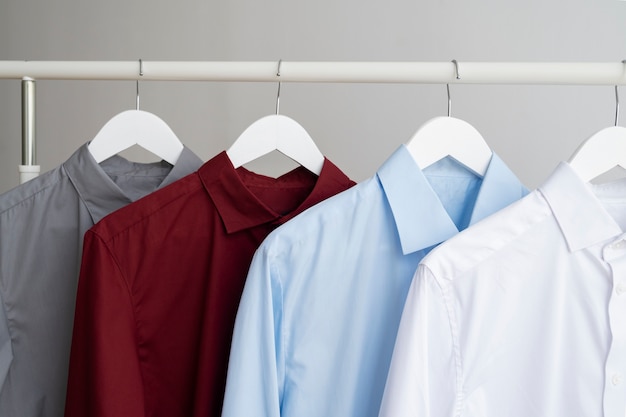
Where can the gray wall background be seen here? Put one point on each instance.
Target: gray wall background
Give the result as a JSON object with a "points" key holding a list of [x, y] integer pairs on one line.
{"points": [[356, 125]]}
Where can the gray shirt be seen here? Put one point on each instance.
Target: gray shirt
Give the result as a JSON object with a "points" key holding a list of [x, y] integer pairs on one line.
{"points": [[42, 223]]}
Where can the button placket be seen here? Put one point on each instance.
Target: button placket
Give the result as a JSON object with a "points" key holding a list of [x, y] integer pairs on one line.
{"points": [[615, 368]]}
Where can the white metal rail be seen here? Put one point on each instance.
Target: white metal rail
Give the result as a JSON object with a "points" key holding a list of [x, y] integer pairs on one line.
{"points": [[554, 73], [588, 73]]}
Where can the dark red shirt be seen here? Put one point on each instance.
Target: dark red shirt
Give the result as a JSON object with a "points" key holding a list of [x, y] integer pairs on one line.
{"points": [[160, 285]]}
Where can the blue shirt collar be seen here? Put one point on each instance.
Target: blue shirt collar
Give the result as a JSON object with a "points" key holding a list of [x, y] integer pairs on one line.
{"points": [[420, 217], [500, 188]]}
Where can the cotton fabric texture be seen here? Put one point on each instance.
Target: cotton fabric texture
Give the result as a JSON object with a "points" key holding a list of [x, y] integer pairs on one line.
{"points": [[160, 284], [42, 223], [322, 303], [522, 314]]}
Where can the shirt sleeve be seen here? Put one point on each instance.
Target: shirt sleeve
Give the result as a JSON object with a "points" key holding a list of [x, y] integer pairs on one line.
{"points": [[422, 379], [255, 373], [104, 375]]}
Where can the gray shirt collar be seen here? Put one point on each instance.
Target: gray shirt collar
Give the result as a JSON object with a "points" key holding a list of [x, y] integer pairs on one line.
{"points": [[116, 182]]}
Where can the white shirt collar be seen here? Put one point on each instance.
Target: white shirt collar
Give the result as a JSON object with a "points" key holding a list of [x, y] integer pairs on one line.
{"points": [[581, 217]]}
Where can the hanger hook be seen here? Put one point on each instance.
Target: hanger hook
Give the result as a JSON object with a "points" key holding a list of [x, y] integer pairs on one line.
{"points": [[137, 83], [616, 106], [449, 100], [617, 101], [458, 77], [278, 93], [456, 69]]}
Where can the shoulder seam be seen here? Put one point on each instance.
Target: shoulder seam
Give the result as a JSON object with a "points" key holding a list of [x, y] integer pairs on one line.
{"points": [[30, 196]]}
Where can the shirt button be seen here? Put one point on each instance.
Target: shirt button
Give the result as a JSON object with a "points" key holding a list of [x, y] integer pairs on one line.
{"points": [[616, 379], [620, 288]]}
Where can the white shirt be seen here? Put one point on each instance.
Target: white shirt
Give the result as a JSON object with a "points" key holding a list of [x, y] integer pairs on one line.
{"points": [[522, 314]]}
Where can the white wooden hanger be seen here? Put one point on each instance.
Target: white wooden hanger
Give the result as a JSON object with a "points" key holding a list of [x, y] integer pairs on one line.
{"points": [[602, 151], [136, 127], [280, 133], [448, 136]]}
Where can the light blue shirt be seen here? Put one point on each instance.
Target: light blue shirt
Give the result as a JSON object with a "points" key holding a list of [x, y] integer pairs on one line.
{"points": [[322, 303]]}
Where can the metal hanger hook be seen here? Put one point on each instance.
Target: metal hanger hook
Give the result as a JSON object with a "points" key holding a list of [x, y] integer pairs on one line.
{"points": [[449, 100], [456, 69], [616, 106], [617, 100], [458, 77], [278, 93], [137, 83]]}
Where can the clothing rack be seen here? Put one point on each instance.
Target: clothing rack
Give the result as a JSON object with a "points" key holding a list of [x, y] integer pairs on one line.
{"points": [[612, 73], [554, 73]]}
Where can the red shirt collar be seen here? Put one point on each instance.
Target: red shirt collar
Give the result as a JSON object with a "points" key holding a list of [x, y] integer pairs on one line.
{"points": [[240, 209]]}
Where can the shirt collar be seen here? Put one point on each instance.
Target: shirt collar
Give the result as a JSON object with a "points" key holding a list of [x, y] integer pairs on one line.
{"points": [[500, 187], [421, 219], [186, 163], [240, 209], [98, 191], [580, 215]]}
